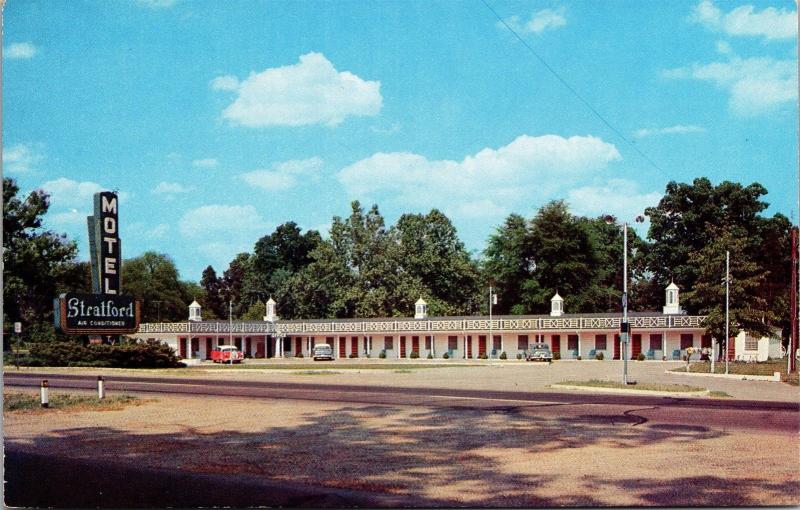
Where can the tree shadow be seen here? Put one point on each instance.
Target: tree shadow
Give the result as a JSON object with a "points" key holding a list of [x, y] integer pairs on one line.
{"points": [[414, 456]]}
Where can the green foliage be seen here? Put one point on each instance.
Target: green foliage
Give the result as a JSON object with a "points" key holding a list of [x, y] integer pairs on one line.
{"points": [[503, 355], [599, 356], [483, 356], [640, 357], [579, 357], [37, 264], [430, 356], [255, 312], [519, 356], [556, 356], [353, 356], [149, 354], [446, 355], [382, 355], [213, 302], [299, 355], [414, 355], [153, 278]]}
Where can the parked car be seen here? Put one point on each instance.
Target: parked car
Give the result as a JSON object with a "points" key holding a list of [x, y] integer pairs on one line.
{"points": [[539, 352], [227, 354], [323, 351]]}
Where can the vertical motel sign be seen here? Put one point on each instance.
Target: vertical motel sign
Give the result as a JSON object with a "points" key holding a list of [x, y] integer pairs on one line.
{"points": [[104, 244], [106, 311]]}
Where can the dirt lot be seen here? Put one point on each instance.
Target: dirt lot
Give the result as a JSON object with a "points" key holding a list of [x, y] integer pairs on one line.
{"points": [[520, 456]]}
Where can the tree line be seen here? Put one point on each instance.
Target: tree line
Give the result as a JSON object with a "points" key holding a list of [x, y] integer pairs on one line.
{"points": [[366, 268]]}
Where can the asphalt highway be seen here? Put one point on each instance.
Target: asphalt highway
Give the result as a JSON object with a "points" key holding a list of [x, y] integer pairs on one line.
{"points": [[739, 414]]}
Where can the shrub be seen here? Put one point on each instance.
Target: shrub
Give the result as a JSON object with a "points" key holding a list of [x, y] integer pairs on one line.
{"points": [[519, 356], [430, 356], [446, 356], [382, 355], [599, 356], [578, 357], [414, 355], [483, 356], [299, 355], [556, 356], [640, 357], [353, 355], [149, 354], [503, 355]]}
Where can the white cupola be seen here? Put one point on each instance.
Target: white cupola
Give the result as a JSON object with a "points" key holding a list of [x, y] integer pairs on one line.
{"points": [[271, 316], [420, 309], [556, 306], [194, 312], [671, 303]]}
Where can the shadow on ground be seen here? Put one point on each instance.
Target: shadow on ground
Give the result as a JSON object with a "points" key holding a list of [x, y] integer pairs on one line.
{"points": [[364, 456]]}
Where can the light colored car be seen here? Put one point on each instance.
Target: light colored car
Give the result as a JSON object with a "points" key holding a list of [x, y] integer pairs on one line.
{"points": [[539, 352], [323, 351]]}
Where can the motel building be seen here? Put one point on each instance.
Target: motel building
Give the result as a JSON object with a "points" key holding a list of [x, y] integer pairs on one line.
{"points": [[657, 335]]}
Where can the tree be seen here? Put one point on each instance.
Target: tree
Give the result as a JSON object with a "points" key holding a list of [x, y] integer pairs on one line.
{"points": [[748, 311], [685, 221], [153, 278], [38, 264], [232, 284], [214, 302], [431, 251], [509, 263], [275, 259]]}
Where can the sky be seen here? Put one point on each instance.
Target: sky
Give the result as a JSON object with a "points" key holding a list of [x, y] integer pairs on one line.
{"points": [[217, 122]]}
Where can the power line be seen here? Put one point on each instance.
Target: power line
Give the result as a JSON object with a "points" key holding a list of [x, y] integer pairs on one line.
{"points": [[575, 92]]}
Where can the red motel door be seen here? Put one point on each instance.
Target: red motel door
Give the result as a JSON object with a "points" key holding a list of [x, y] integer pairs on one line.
{"points": [[481, 345], [343, 347], [616, 346], [415, 344], [636, 346], [402, 347]]}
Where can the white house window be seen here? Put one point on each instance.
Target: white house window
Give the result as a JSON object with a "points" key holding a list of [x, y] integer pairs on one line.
{"points": [[750, 343]]}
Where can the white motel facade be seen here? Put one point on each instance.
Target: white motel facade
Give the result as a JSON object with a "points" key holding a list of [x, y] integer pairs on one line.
{"points": [[656, 335]]}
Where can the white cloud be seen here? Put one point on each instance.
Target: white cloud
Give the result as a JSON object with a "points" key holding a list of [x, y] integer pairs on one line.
{"points": [[156, 4], [221, 220], [159, 230], [67, 218], [19, 51], [618, 197], [672, 130], [68, 193], [745, 20], [170, 188], [540, 21], [205, 163], [141, 230], [309, 92], [487, 184], [21, 158], [227, 82], [757, 85], [284, 175]]}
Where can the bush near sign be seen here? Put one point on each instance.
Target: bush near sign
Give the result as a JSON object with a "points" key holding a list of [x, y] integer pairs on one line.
{"points": [[102, 314]]}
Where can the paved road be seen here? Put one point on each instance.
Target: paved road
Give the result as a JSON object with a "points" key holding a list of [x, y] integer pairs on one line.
{"points": [[740, 414]]}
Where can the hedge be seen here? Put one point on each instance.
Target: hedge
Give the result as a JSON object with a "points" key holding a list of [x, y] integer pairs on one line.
{"points": [[149, 354]]}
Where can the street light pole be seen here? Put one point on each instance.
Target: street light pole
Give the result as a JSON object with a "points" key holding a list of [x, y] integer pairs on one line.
{"points": [[230, 326], [625, 303]]}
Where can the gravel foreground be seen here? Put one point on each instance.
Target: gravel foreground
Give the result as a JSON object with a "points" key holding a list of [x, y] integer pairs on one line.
{"points": [[325, 454]]}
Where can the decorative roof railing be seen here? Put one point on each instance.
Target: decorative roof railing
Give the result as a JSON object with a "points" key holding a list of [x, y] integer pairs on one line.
{"points": [[432, 325]]}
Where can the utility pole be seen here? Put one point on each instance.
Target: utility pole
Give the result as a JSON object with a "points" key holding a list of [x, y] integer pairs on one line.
{"points": [[793, 293], [230, 326], [727, 304]]}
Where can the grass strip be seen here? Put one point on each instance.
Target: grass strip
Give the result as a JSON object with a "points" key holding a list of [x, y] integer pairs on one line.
{"points": [[16, 402], [767, 368], [595, 383]]}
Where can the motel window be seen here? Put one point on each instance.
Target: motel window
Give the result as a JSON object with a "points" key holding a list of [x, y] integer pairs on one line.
{"points": [[388, 343], [705, 341], [497, 343], [750, 343], [655, 342], [329, 340], [687, 340], [428, 343], [572, 342], [522, 342], [600, 342], [452, 343], [287, 344]]}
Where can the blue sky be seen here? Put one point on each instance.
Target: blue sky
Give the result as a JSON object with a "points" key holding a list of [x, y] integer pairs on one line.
{"points": [[218, 122]]}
